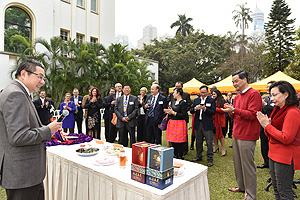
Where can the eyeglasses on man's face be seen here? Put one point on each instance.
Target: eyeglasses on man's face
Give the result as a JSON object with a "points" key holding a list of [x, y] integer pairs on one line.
{"points": [[41, 76]]}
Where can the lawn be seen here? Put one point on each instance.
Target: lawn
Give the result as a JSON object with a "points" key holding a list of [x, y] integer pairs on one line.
{"points": [[221, 175]]}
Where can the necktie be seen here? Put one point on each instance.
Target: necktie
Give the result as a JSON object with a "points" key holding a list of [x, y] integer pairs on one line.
{"points": [[125, 106], [151, 107]]}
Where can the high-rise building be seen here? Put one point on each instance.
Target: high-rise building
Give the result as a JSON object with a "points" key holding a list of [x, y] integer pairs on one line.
{"points": [[149, 33], [258, 20]]}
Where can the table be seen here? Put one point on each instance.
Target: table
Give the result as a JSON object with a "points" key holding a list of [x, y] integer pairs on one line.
{"points": [[73, 177]]}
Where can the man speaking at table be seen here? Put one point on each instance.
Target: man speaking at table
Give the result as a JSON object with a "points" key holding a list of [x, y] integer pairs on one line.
{"points": [[22, 135]]}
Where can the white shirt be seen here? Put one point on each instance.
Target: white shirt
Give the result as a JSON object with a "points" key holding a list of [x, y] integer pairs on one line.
{"points": [[156, 97], [202, 102], [245, 90], [118, 94], [142, 112]]}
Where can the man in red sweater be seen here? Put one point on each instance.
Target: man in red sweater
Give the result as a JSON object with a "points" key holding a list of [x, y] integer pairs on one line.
{"points": [[245, 133]]}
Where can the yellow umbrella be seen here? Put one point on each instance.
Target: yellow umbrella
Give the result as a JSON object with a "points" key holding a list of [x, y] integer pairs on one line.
{"points": [[191, 87], [225, 85], [278, 76]]}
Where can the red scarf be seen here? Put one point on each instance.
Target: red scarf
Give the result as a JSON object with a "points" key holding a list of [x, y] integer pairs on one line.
{"points": [[277, 119]]}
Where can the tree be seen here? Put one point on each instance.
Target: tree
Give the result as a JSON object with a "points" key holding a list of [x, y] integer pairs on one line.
{"points": [[183, 25], [279, 38], [241, 18], [293, 69]]}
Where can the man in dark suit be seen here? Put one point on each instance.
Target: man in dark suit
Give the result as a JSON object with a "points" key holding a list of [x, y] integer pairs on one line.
{"points": [[111, 101], [106, 117], [43, 107], [185, 97], [155, 105], [205, 108], [78, 115], [267, 108], [23, 136], [126, 109], [229, 120]]}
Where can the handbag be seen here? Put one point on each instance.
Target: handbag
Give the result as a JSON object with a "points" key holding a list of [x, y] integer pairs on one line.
{"points": [[163, 125]]}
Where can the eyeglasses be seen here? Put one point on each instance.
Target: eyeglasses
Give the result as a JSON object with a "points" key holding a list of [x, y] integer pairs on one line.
{"points": [[41, 76], [274, 95]]}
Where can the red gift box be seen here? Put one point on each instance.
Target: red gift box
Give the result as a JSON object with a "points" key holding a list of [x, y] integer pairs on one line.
{"points": [[140, 153]]}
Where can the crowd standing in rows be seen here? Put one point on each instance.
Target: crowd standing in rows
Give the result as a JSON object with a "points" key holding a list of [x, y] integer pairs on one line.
{"points": [[274, 118]]}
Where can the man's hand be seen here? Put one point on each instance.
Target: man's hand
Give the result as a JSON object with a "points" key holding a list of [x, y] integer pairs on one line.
{"points": [[124, 119], [54, 126], [113, 102], [228, 108]]}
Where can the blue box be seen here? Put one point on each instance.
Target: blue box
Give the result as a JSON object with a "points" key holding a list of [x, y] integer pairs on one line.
{"points": [[159, 183], [160, 158]]}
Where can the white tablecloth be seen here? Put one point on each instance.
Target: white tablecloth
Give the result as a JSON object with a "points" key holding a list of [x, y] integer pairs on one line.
{"points": [[73, 177]]}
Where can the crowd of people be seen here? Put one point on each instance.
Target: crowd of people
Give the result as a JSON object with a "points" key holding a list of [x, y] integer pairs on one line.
{"points": [[26, 125]]}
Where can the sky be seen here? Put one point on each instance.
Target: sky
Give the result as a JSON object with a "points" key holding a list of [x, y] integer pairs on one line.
{"points": [[211, 16]]}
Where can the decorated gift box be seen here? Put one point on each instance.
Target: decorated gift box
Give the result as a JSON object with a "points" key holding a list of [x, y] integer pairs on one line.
{"points": [[140, 153], [159, 179], [160, 158], [138, 173]]}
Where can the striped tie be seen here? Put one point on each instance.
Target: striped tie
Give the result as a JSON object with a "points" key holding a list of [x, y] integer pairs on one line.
{"points": [[125, 106], [151, 108]]}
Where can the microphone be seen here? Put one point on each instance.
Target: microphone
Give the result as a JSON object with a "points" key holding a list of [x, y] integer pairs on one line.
{"points": [[63, 115]]}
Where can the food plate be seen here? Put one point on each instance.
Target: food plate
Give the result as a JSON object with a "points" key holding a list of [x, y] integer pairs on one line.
{"points": [[87, 151], [179, 171], [104, 161], [114, 151]]}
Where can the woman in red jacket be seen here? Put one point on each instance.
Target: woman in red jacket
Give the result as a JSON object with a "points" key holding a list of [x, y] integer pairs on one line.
{"points": [[219, 122], [283, 132]]}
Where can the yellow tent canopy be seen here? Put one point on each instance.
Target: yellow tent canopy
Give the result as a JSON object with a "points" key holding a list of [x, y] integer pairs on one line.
{"points": [[278, 76], [191, 87], [225, 85]]}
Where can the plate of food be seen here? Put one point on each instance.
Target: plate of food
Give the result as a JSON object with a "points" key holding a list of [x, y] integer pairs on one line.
{"points": [[179, 168], [87, 151], [104, 161], [114, 151]]}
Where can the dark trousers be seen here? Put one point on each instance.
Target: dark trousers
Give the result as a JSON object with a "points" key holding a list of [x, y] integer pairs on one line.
{"points": [[124, 135], [31, 193], [200, 133], [78, 121], [178, 149], [264, 145], [106, 125], [112, 132], [282, 179], [153, 132], [228, 124], [141, 128]]}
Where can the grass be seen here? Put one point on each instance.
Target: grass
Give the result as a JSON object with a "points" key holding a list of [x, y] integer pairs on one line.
{"points": [[221, 175]]}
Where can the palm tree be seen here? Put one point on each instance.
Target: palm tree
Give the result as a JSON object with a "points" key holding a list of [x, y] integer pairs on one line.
{"points": [[241, 18], [183, 23]]}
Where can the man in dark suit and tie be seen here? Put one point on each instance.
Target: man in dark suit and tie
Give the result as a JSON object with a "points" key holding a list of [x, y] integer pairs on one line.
{"points": [[78, 115], [204, 107], [43, 107], [229, 120], [111, 101], [155, 105], [126, 109], [267, 108], [23, 137], [187, 99], [106, 117]]}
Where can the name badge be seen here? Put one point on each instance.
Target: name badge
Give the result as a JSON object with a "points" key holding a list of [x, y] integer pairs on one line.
{"points": [[208, 105], [184, 100], [79, 101], [272, 104], [131, 103], [160, 102]]}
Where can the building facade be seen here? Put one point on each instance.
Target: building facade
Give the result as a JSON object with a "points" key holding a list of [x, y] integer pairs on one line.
{"points": [[83, 20]]}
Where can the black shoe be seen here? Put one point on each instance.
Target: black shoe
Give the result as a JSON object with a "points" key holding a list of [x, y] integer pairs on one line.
{"points": [[196, 159], [230, 146], [263, 166], [210, 163], [192, 147], [217, 150]]}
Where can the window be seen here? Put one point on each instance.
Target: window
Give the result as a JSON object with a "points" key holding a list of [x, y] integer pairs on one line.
{"points": [[17, 22], [94, 5], [80, 3], [94, 40], [79, 38], [64, 34]]}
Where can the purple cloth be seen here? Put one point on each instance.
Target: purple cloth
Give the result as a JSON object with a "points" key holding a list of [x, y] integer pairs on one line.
{"points": [[58, 140]]}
